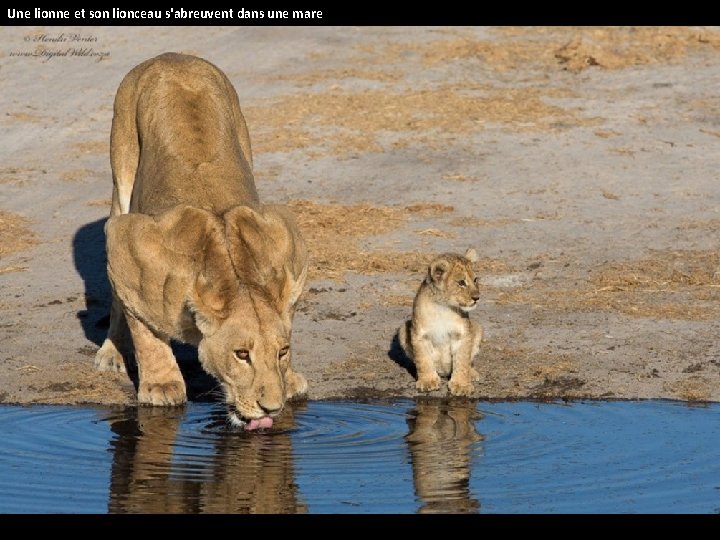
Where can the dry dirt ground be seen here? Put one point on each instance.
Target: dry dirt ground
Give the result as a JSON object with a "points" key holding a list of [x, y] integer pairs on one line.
{"points": [[582, 164]]}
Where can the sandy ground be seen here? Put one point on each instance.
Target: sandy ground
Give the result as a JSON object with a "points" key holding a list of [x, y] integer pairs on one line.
{"points": [[582, 164]]}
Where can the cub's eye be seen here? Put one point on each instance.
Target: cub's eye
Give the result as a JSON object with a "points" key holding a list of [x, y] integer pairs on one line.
{"points": [[243, 354], [462, 283], [477, 281], [284, 352]]}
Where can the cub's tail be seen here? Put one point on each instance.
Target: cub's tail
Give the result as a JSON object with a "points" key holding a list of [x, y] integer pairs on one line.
{"points": [[403, 335]]}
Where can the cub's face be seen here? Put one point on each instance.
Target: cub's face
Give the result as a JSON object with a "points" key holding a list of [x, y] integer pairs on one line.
{"points": [[453, 275], [249, 354]]}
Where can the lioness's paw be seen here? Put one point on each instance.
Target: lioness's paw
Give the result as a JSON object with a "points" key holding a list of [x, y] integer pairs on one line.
{"points": [[460, 388], [295, 384], [428, 383], [474, 375], [168, 394], [108, 358]]}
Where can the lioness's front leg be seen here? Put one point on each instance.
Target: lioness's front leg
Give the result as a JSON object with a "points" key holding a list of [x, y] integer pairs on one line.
{"points": [[160, 380], [295, 384], [115, 350]]}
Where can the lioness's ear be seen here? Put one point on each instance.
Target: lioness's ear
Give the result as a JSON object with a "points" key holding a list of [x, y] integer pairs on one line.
{"points": [[208, 304], [438, 269], [267, 249], [292, 288], [471, 255]]}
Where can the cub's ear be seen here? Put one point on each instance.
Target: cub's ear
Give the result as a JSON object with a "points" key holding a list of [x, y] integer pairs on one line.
{"points": [[437, 270], [471, 255]]}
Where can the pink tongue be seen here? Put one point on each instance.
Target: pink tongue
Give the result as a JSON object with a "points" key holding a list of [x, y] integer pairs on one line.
{"points": [[264, 422]]}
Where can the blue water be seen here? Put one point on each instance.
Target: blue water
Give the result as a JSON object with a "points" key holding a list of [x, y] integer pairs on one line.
{"points": [[342, 457]]}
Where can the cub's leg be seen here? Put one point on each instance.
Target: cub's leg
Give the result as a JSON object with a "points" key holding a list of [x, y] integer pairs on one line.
{"points": [[160, 380], [462, 371], [444, 359], [124, 156], [425, 357]]}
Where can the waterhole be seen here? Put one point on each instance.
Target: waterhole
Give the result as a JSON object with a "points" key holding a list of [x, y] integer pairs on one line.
{"points": [[343, 457]]}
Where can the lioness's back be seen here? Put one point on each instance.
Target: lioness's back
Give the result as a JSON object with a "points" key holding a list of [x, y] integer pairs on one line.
{"points": [[192, 139]]}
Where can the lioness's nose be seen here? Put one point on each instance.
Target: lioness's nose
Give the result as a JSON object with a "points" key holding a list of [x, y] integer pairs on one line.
{"points": [[270, 408], [476, 297]]}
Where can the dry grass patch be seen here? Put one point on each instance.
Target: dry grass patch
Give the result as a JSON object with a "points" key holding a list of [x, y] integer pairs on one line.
{"points": [[471, 221], [357, 120], [23, 117], [75, 175], [310, 78], [100, 202], [693, 388], [333, 231], [18, 175], [14, 236], [571, 48], [92, 147], [671, 285]]}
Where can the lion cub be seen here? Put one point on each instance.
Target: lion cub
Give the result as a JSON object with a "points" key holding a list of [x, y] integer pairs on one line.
{"points": [[441, 339]]}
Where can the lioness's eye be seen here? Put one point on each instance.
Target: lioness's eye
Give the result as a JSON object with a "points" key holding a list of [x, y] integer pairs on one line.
{"points": [[284, 351], [462, 283], [477, 281], [243, 354]]}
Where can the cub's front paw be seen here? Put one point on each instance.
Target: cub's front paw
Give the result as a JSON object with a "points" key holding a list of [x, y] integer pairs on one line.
{"points": [[167, 394], [474, 375], [460, 388], [295, 384], [428, 383]]}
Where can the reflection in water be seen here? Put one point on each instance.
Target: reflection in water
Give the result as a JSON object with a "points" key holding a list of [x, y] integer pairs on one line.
{"points": [[441, 440], [598, 457], [156, 469]]}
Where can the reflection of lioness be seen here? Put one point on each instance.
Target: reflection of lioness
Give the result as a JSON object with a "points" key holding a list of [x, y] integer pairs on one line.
{"points": [[192, 254]]}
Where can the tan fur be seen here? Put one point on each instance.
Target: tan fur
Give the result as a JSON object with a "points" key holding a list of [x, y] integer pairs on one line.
{"points": [[234, 477], [441, 439], [192, 254], [441, 338]]}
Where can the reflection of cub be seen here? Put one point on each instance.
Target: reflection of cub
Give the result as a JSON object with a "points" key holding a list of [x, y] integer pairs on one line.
{"points": [[441, 339], [440, 440]]}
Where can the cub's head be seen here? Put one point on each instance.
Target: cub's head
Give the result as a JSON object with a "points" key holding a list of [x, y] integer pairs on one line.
{"points": [[248, 352], [453, 277]]}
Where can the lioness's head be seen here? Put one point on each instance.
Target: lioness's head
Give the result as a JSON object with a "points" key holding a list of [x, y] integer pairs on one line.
{"points": [[249, 354], [454, 279]]}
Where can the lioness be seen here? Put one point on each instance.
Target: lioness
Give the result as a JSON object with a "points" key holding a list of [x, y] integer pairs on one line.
{"points": [[441, 338], [192, 254]]}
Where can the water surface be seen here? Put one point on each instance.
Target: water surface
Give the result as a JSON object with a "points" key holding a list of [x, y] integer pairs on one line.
{"points": [[340, 457]]}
